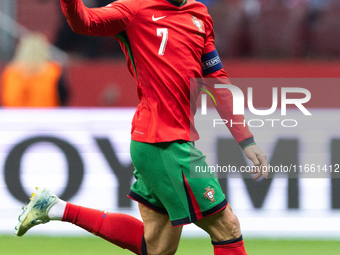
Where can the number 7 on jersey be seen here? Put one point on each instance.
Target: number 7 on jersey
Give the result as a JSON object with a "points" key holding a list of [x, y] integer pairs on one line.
{"points": [[164, 33]]}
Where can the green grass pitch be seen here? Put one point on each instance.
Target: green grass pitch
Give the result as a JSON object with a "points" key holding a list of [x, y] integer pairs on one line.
{"points": [[35, 245]]}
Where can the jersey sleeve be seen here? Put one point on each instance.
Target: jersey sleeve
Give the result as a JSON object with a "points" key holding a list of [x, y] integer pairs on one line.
{"points": [[105, 21], [209, 44], [212, 68], [211, 61], [236, 123]]}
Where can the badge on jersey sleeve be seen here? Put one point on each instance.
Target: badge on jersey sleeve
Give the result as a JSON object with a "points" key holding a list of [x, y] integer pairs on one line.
{"points": [[199, 24]]}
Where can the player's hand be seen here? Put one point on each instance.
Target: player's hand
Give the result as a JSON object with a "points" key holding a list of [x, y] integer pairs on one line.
{"points": [[259, 160]]}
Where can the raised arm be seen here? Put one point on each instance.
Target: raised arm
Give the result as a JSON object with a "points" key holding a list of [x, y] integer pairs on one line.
{"points": [[105, 21]]}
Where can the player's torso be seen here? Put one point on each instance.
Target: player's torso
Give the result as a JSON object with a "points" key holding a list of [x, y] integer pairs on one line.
{"points": [[166, 43]]}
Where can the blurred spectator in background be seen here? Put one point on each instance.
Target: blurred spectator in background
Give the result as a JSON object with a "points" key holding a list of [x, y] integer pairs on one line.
{"points": [[31, 79], [277, 28], [87, 46], [208, 3], [323, 28], [243, 28], [230, 25]]}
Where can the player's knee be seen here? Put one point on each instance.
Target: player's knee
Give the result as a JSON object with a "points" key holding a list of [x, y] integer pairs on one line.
{"points": [[231, 223], [221, 226], [228, 226]]}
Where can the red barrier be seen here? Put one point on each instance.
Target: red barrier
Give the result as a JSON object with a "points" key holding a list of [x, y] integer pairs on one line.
{"points": [[108, 83], [102, 83]]}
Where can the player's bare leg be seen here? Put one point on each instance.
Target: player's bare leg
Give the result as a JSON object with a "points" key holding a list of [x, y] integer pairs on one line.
{"points": [[221, 226], [160, 237], [225, 232]]}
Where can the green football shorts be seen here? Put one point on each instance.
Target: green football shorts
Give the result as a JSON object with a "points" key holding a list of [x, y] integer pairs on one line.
{"points": [[163, 182]]}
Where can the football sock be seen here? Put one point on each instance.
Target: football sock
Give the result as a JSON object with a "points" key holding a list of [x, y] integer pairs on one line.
{"points": [[57, 211], [230, 247], [117, 228]]}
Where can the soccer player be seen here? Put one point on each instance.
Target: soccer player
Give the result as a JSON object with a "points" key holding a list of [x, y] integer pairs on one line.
{"points": [[166, 43]]}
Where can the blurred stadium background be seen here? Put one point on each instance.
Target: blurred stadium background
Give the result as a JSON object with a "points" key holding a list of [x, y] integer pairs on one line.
{"points": [[81, 151]]}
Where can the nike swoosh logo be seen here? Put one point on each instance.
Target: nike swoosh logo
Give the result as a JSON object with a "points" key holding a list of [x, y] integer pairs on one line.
{"points": [[156, 19]]}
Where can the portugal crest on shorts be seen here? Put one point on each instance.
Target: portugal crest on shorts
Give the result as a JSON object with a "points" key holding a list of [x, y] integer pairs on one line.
{"points": [[199, 24], [210, 194]]}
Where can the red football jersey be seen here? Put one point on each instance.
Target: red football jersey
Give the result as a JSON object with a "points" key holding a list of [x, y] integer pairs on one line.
{"points": [[164, 42]]}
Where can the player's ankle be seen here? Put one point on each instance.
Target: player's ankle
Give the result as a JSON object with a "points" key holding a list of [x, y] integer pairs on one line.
{"points": [[56, 212]]}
